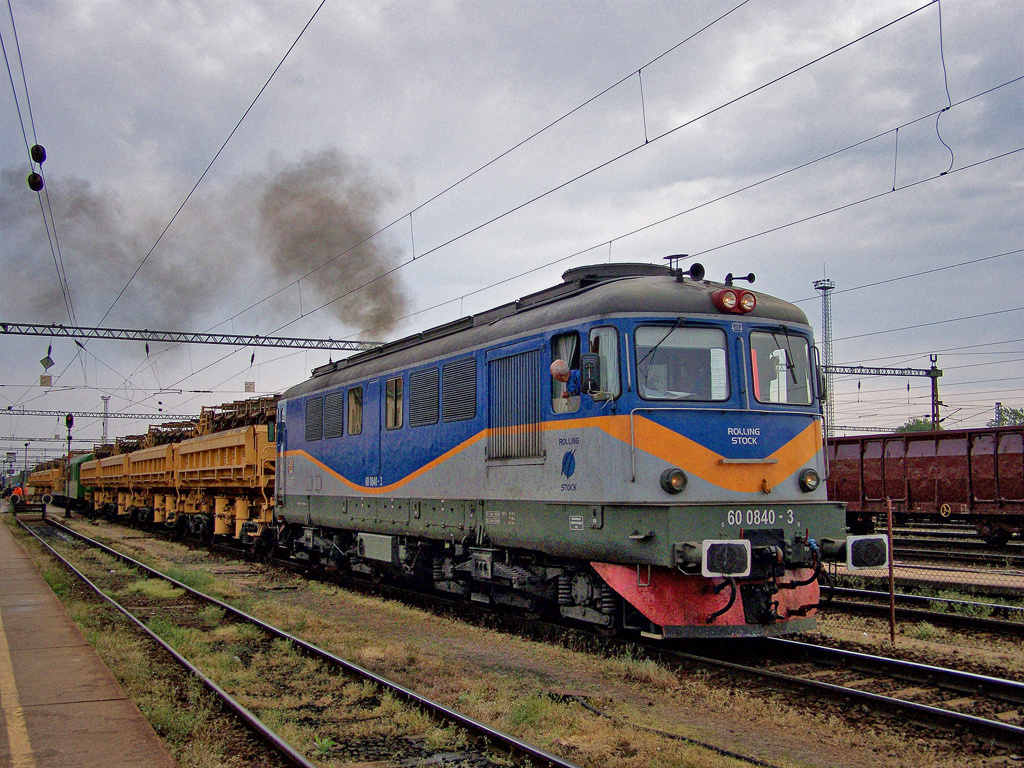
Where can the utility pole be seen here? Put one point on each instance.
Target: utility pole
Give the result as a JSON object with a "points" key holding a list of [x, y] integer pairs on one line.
{"points": [[69, 420], [934, 373]]}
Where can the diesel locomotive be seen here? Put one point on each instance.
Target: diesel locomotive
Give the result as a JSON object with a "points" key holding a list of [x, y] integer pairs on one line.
{"points": [[635, 448]]}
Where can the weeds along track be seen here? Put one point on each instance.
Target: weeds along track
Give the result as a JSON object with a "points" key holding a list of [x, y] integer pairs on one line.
{"points": [[977, 616], [987, 707], [275, 681], [957, 546]]}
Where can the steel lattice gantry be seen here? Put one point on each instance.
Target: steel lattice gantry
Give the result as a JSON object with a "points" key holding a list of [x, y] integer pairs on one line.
{"points": [[933, 373], [227, 339]]}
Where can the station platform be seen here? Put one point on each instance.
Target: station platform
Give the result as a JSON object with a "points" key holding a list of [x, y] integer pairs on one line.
{"points": [[59, 704]]}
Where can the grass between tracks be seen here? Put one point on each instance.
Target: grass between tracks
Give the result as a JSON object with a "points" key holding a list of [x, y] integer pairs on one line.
{"points": [[527, 689]]}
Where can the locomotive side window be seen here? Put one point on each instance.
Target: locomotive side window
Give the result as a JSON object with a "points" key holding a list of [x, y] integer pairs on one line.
{"points": [[423, 397], [314, 418], [674, 363], [565, 378], [458, 390], [393, 403], [781, 366], [334, 415], [605, 343], [355, 410]]}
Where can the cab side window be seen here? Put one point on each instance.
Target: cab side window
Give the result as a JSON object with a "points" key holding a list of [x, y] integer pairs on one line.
{"points": [[565, 373], [604, 342], [355, 410]]}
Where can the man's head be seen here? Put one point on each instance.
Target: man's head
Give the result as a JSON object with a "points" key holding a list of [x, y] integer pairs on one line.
{"points": [[560, 370]]}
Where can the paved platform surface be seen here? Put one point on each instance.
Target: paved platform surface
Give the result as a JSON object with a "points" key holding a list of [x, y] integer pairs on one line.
{"points": [[60, 707]]}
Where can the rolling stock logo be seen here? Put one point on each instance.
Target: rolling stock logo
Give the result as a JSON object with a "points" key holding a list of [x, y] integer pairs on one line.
{"points": [[569, 464], [744, 436]]}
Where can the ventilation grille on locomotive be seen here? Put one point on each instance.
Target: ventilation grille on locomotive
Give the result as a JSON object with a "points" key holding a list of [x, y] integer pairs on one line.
{"points": [[314, 418], [458, 390], [514, 406], [423, 397]]}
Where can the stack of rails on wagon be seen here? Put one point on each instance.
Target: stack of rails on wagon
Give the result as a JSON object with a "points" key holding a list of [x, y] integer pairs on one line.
{"points": [[206, 480]]}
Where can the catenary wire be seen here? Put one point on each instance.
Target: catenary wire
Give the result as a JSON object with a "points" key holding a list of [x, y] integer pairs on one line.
{"points": [[576, 178], [214, 160]]}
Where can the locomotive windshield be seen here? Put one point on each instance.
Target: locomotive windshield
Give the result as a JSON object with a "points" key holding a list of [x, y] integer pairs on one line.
{"points": [[674, 363], [781, 368]]}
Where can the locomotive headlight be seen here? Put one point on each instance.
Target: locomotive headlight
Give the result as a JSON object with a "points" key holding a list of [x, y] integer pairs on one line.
{"points": [[725, 299], [809, 480], [733, 300], [673, 480]]}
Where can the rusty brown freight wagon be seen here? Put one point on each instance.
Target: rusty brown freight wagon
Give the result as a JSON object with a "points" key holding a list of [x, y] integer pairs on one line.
{"points": [[970, 474]]}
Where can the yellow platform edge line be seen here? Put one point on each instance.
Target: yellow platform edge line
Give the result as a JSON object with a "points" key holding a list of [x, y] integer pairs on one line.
{"points": [[18, 741]]}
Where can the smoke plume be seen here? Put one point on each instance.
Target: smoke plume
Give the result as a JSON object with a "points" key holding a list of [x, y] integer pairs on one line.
{"points": [[234, 243], [319, 215]]}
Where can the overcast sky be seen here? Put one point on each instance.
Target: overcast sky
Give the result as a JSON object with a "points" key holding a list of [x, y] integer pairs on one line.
{"points": [[381, 106]]}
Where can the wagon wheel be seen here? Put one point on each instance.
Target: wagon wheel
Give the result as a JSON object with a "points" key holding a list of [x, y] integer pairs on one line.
{"points": [[945, 510]]}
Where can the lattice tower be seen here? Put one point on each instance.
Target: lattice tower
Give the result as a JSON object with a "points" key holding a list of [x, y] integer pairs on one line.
{"points": [[106, 410], [826, 286]]}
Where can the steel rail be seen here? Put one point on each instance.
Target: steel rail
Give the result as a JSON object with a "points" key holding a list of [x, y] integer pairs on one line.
{"points": [[507, 741], [269, 736], [976, 559], [985, 623], [966, 682], [1004, 731], [900, 597]]}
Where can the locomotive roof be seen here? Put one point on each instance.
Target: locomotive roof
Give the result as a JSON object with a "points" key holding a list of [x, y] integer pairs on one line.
{"points": [[600, 290]]}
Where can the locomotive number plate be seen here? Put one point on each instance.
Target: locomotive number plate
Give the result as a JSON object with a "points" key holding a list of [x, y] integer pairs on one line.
{"points": [[759, 516]]}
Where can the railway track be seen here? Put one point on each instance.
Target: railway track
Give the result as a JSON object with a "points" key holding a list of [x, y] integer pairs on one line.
{"points": [[966, 614], [928, 694], [987, 707], [484, 741], [961, 551]]}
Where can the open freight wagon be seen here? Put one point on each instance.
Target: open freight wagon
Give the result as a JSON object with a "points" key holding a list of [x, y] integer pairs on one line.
{"points": [[974, 475]]}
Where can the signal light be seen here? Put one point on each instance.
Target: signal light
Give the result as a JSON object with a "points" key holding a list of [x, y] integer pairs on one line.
{"points": [[867, 552], [734, 300], [728, 558]]}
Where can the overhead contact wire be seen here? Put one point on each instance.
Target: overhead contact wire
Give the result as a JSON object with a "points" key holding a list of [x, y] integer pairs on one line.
{"points": [[483, 167], [214, 160], [598, 167]]}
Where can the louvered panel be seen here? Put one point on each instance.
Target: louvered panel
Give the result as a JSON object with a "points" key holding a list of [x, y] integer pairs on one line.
{"points": [[334, 415], [458, 390], [514, 406], [314, 418], [423, 397]]}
